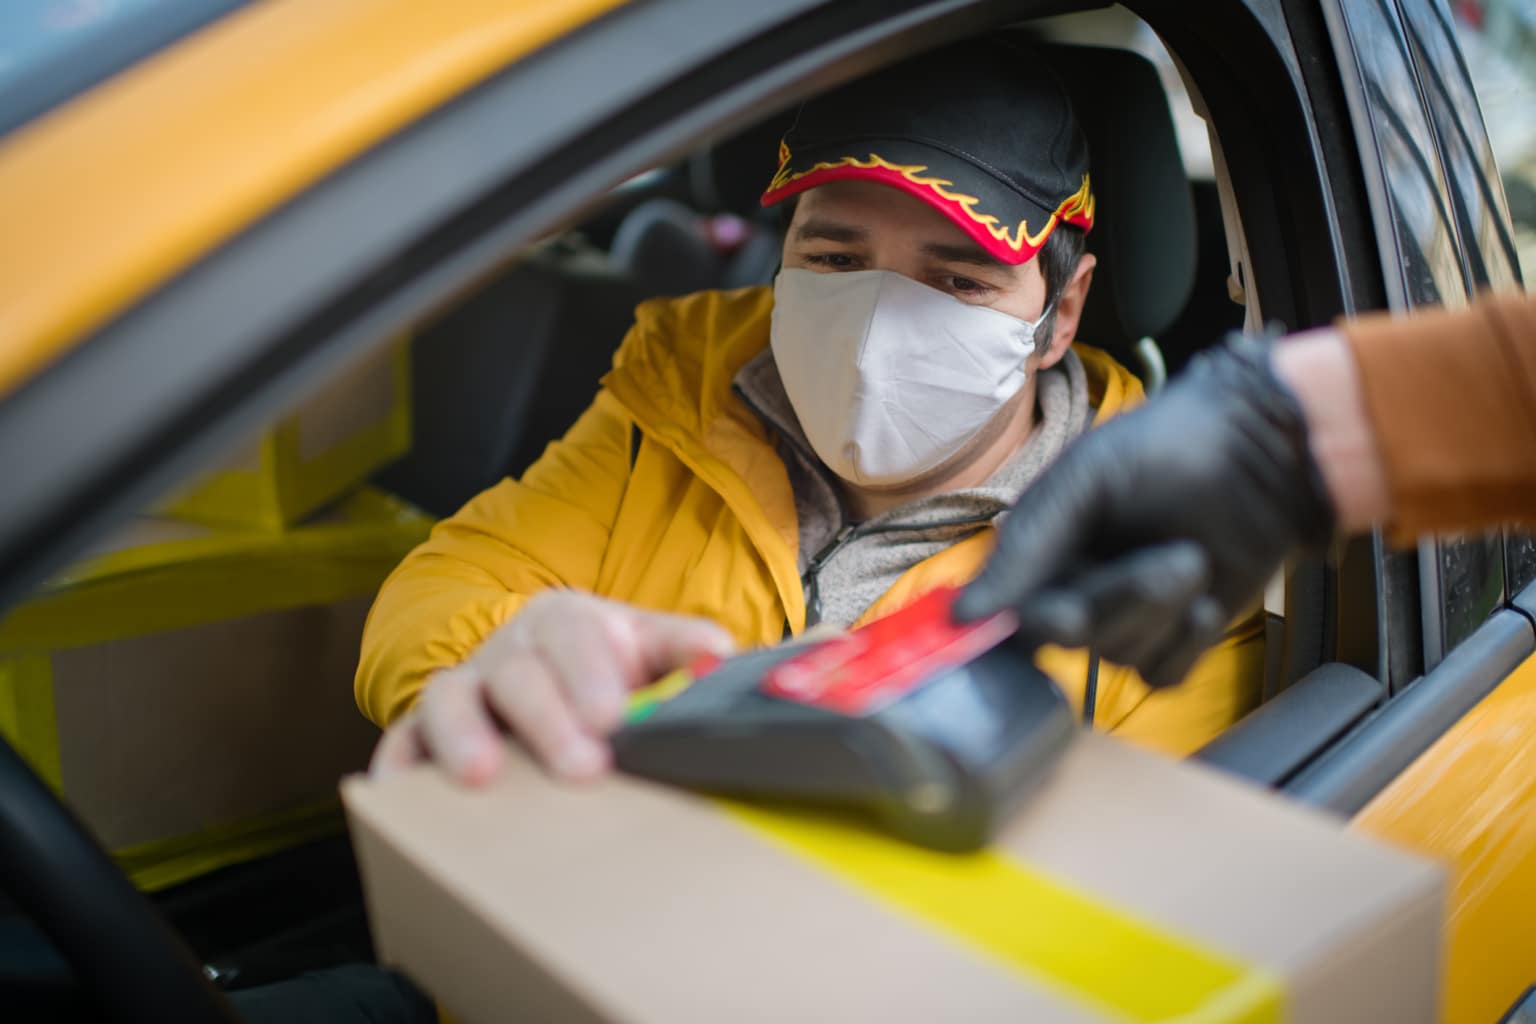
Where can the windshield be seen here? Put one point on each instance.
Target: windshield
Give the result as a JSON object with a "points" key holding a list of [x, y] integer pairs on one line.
{"points": [[52, 50]]}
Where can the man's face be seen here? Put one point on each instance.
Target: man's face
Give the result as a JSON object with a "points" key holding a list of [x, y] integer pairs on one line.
{"points": [[863, 225]]}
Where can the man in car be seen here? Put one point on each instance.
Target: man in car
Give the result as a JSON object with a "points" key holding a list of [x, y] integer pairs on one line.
{"points": [[760, 462]]}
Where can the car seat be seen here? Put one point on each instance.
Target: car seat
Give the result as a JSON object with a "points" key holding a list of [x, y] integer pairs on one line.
{"points": [[510, 368], [664, 244], [1144, 231], [506, 371], [661, 245]]}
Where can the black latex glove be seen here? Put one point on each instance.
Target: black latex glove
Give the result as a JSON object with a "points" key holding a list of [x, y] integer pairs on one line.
{"points": [[1152, 532]]}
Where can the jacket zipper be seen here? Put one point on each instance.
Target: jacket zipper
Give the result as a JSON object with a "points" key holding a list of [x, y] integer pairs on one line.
{"points": [[811, 579], [813, 572], [851, 532]]}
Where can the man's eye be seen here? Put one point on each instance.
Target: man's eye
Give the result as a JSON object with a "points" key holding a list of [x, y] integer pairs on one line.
{"points": [[964, 285], [833, 260]]}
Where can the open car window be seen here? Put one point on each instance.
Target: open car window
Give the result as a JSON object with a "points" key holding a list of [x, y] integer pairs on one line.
{"points": [[279, 538]]}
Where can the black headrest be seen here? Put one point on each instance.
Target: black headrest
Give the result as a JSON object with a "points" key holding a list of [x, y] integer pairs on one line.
{"points": [[660, 247], [731, 175], [1144, 225]]}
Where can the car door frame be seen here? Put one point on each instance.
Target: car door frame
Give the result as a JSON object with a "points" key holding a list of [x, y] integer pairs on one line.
{"points": [[1422, 707]]}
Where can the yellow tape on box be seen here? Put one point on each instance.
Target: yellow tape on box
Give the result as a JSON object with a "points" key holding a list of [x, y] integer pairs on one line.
{"points": [[340, 435], [1060, 937], [188, 689]]}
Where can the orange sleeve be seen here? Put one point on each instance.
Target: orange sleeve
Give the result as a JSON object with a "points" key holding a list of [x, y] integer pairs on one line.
{"points": [[1452, 398]]}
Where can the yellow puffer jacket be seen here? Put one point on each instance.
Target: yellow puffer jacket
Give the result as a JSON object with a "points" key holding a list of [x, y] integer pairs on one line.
{"points": [[700, 520]]}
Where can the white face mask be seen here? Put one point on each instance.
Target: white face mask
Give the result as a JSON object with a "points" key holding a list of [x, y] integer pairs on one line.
{"points": [[888, 376]]}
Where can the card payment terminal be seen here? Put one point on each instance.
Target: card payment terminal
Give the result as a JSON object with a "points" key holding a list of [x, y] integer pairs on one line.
{"points": [[939, 731]]}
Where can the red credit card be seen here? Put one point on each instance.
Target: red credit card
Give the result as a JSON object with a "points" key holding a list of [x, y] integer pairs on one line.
{"points": [[860, 672]]}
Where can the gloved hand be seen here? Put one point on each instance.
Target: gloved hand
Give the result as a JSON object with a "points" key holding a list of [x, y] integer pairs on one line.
{"points": [[1152, 532]]}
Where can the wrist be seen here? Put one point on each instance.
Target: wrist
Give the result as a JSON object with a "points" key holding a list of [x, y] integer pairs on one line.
{"points": [[1321, 374]]}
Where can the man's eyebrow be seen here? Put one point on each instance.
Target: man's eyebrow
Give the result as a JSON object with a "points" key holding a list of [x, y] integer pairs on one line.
{"points": [[962, 254], [830, 231]]}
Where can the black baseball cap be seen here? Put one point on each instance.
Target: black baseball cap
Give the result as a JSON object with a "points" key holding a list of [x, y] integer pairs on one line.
{"points": [[982, 131]]}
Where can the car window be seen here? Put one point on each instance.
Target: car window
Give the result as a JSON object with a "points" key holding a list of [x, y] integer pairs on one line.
{"points": [[1418, 237], [1470, 570], [1471, 585], [1498, 38], [1519, 559], [51, 50], [1441, 230], [1467, 154]]}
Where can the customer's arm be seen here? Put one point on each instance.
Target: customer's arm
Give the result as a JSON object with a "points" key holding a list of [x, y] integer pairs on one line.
{"points": [[1451, 397], [485, 624]]}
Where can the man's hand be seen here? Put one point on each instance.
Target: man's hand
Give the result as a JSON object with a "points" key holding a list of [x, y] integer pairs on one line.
{"points": [[1153, 531], [558, 675]]}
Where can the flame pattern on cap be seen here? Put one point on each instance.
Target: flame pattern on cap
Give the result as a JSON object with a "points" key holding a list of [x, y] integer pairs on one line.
{"points": [[1018, 242]]}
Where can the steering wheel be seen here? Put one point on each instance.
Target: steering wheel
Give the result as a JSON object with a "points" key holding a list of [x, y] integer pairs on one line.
{"points": [[134, 964]]}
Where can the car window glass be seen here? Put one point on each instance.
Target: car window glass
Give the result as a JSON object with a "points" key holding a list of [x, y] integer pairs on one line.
{"points": [[1470, 570], [1471, 585], [1519, 559], [1427, 231], [37, 32], [1465, 149], [1424, 255], [51, 50], [1498, 38]]}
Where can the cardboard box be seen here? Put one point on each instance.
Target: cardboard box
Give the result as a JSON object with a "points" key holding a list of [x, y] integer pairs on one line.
{"points": [[189, 690], [1132, 889], [354, 425]]}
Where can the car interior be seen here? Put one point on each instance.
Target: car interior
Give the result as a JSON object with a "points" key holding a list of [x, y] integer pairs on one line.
{"points": [[507, 365], [1166, 286]]}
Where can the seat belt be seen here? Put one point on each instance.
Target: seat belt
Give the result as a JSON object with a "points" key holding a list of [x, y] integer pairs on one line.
{"points": [[1091, 691]]}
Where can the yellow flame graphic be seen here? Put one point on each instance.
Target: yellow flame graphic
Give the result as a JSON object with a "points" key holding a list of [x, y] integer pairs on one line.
{"points": [[1080, 203]]}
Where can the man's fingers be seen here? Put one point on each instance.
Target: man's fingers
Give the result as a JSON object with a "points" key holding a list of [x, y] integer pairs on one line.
{"points": [[456, 728], [398, 748], [591, 654], [525, 693], [665, 642]]}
